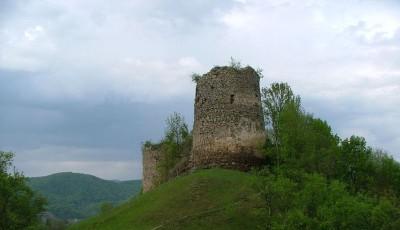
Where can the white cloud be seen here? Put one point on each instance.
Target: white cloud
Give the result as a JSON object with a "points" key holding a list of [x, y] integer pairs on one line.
{"points": [[25, 47], [33, 33]]}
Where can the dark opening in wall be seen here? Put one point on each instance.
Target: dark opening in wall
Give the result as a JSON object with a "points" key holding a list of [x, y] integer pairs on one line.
{"points": [[232, 98], [197, 99], [256, 95]]}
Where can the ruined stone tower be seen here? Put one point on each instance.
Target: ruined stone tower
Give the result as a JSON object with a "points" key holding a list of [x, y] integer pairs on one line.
{"points": [[228, 121], [151, 175], [228, 126]]}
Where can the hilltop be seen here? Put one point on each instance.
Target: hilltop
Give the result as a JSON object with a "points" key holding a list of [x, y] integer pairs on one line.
{"points": [[77, 196], [224, 199]]}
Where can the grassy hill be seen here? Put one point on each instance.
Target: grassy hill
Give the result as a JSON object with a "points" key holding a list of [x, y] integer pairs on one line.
{"points": [[220, 198], [74, 195]]}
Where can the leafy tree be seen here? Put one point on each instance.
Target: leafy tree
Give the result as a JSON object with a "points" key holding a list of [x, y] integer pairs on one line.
{"points": [[291, 131], [19, 205], [307, 142], [356, 163], [274, 100], [176, 144], [177, 130], [386, 172]]}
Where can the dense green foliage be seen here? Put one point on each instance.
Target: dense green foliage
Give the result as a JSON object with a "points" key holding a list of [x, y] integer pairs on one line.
{"points": [[207, 199], [308, 143], [19, 205], [275, 100], [365, 183], [74, 195], [299, 200]]}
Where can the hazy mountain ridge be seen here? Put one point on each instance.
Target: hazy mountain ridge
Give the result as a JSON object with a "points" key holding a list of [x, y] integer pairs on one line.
{"points": [[76, 196]]}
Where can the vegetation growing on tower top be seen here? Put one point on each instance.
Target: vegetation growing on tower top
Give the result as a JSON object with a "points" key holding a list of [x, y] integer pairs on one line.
{"points": [[233, 64]]}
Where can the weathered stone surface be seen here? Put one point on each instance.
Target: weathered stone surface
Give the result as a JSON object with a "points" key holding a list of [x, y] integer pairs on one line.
{"points": [[151, 175], [228, 125]]}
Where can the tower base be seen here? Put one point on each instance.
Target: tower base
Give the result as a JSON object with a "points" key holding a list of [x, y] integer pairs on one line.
{"points": [[242, 161]]}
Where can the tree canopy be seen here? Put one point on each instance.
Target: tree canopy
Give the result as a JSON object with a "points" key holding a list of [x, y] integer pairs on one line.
{"points": [[19, 205], [316, 180]]}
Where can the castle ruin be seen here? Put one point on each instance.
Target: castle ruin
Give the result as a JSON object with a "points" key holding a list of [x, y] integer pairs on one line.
{"points": [[151, 175], [228, 128], [228, 121]]}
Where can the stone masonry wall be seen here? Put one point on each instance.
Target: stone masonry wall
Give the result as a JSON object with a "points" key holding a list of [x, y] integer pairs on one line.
{"points": [[151, 175], [228, 125]]}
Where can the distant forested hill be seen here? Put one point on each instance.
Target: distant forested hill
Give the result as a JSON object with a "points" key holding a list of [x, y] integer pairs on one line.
{"points": [[74, 195]]}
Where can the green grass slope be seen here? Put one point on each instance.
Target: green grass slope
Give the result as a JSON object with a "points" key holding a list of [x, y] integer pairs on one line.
{"points": [[224, 199], [75, 195]]}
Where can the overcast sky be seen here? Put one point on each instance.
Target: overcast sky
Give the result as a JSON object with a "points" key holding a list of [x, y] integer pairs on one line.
{"points": [[84, 83]]}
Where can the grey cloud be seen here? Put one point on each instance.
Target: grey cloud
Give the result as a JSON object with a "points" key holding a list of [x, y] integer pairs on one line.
{"points": [[113, 125], [52, 132], [81, 133], [6, 6]]}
